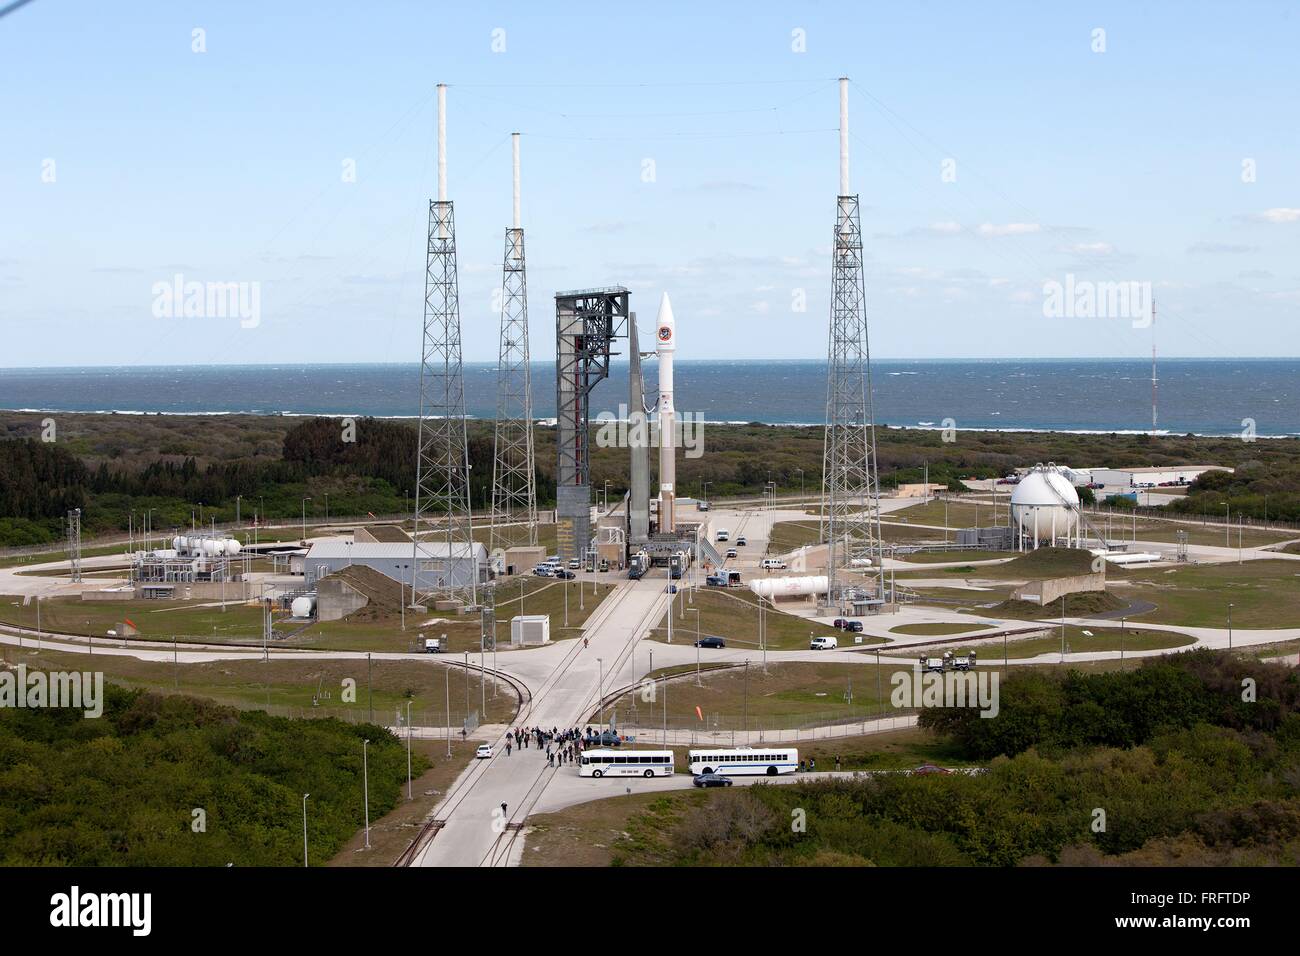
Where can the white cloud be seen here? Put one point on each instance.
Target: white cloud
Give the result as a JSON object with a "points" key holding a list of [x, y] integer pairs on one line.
{"points": [[1278, 214], [1092, 248], [1008, 229], [1220, 248]]}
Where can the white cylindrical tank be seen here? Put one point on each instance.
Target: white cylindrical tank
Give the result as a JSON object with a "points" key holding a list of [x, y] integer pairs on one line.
{"points": [[1044, 505], [303, 606], [167, 553], [178, 543], [790, 587], [232, 547]]}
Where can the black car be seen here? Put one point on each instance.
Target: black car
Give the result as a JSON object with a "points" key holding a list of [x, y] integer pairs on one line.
{"points": [[566, 575], [710, 642], [854, 626], [712, 780], [606, 738]]}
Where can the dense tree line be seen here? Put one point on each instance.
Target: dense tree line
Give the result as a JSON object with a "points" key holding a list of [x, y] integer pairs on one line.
{"points": [[115, 467], [1171, 763], [122, 789], [1255, 489]]}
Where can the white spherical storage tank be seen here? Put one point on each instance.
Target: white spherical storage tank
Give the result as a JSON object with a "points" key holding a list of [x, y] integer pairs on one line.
{"points": [[302, 606], [1044, 506]]}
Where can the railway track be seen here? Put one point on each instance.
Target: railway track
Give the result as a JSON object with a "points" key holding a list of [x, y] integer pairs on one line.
{"points": [[466, 785], [500, 851]]}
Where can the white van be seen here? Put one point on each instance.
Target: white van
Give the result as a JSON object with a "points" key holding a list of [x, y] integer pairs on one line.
{"points": [[773, 564], [723, 534], [823, 644]]}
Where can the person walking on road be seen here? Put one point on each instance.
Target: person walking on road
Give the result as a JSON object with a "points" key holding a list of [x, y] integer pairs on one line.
{"points": [[505, 815], [507, 746]]}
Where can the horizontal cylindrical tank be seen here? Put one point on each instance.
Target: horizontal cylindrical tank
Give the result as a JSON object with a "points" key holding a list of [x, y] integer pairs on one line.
{"points": [[303, 606], [790, 587]]}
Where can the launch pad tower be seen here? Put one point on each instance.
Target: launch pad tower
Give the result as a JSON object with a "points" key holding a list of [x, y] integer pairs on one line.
{"points": [[586, 324]]}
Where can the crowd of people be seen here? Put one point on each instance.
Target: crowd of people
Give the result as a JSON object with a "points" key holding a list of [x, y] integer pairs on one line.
{"points": [[559, 745]]}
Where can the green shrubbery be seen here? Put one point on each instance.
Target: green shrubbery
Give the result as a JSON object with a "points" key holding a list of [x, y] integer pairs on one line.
{"points": [[1168, 758], [122, 789]]}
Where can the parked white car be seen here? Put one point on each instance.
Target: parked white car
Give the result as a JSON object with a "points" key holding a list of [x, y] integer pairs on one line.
{"points": [[484, 752]]}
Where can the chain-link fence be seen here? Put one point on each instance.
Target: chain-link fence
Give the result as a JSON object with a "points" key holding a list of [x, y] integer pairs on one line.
{"points": [[646, 722]]}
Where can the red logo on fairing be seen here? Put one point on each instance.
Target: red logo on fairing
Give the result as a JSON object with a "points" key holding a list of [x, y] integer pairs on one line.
{"points": [[665, 333]]}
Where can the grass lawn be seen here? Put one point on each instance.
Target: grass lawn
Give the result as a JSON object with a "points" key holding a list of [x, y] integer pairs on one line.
{"points": [[788, 535], [964, 597], [392, 833], [370, 630], [305, 687], [961, 514], [934, 629], [1081, 604], [1167, 532], [733, 614], [939, 557], [791, 694], [1076, 642], [156, 620], [1263, 593]]}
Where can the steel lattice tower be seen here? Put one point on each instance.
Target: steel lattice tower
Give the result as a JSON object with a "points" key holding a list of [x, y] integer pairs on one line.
{"points": [[74, 544], [850, 484], [514, 491], [442, 493]]}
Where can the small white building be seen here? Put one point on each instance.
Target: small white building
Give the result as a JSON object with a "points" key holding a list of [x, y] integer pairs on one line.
{"points": [[530, 629], [1152, 477]]}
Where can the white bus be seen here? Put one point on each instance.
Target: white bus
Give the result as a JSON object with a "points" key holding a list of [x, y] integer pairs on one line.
{"points": [[768, 761], [626, 763]]}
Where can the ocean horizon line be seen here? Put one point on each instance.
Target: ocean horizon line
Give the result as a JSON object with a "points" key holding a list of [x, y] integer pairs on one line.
{"points": [[899, 360]]}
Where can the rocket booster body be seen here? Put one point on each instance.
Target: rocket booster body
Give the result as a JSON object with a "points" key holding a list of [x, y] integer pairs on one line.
{"points": [[665, 347]]}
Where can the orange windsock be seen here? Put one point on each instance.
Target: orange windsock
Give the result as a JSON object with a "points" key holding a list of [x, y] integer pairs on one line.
{"points": [[129, 621], [698, 713]]}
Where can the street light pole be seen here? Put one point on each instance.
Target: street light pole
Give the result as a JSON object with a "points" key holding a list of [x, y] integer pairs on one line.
{"points": [[365, 783], [304, 828], [408, 750], [304, 517], [1229, 627]]}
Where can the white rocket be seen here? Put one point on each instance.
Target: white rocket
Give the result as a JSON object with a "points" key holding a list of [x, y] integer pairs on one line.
{"points": [[665, 346]]}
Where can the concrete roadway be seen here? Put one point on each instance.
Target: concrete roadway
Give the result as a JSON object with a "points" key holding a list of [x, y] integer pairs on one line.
{"points": [[566, 679], [562, 698]]}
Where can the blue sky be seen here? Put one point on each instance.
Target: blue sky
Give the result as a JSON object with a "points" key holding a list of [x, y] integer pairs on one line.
{"points": [[227, 166]]}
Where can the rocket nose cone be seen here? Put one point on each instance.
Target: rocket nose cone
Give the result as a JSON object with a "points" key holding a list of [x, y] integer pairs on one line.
{"points": [[667, 325]]}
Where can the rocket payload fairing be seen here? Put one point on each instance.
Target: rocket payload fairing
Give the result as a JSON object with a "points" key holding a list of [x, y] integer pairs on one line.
{"points": [[665, 346]]}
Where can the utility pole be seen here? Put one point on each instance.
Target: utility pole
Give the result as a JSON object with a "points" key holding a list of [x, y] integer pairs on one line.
{"points": [[304, 828], [1062, 628], [408, 749], [365, 783]]}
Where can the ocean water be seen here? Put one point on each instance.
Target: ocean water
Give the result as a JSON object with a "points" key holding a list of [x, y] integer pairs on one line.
{"points": [[1201, 396]]}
